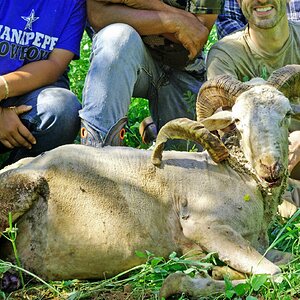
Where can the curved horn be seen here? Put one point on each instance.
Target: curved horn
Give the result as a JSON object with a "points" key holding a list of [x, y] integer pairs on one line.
{"points": [[218, 92], [286, 80], [190, 130]]}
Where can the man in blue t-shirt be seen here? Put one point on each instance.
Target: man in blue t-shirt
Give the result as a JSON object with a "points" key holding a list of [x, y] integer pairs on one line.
{"points": [[38, 39]]}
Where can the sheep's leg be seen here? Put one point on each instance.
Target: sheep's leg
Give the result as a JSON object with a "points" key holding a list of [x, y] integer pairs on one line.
{"points": [[179, 282], [231, 247], [278, 257], [193, 251], [190, 249]]}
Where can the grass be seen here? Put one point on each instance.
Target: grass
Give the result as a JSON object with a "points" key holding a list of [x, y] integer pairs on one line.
{"points": [[144, 281]]}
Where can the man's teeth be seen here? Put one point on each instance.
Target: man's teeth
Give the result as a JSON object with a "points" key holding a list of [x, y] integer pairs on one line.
{"points": [[263, 9]]}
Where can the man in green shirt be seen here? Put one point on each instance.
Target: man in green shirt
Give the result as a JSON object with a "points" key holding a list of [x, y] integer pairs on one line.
{"points": [[270, 41]]}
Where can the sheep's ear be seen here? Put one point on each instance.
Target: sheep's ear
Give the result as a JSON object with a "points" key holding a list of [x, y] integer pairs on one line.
{"points": [[218, 120], [296, 110]]}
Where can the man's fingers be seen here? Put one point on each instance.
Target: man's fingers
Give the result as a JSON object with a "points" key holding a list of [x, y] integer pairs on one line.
{"points": [[26, 134], [191, 47], [13, 140], [21, 109], [7, 144], [21, 138], [22, 142], [192, 54]]}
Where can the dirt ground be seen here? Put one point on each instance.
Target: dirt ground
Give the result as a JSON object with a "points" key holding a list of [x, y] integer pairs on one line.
{"points": [[108, 295]]}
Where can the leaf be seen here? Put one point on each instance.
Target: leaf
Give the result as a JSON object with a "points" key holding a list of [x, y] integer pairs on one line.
{"points": [[175, 267], [3, 269], [189, 271], [247, 197], [251, 298], [228, 284], [173, 255], [67, 283], [140, 254], [73, 296], [229, 293], [241, 289], [258, 281], [156, 260], [160, 271], [149, 254]]}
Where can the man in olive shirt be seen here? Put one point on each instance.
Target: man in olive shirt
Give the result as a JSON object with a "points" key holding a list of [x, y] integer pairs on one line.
{"points": [[269, 42]]}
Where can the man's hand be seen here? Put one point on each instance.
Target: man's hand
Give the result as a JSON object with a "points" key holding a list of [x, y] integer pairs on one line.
{"points": [[153, 18], [190, 32], [294, 149], [12, 131]]}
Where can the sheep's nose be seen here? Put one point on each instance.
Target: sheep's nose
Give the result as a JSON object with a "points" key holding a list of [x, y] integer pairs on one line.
{"points": [[273, 173]]}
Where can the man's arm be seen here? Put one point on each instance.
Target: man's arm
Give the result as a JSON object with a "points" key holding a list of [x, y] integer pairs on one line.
{"points": [[28, 78], [36, 74], [294, 149], [175, 24]]}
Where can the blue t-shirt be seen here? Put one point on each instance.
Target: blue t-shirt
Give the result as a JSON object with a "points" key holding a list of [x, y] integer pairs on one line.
{"points": [[31, 29]]}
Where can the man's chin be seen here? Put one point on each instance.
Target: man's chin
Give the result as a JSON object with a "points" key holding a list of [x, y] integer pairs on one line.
{"points": [[265, 24]]}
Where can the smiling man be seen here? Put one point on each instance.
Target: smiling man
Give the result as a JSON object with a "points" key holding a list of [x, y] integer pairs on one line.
{"points": [[269, 42], [232, 19]]}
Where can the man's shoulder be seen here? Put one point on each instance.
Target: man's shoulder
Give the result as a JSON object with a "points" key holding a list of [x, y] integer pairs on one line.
{"points": [[232, 41], [295, 29]]}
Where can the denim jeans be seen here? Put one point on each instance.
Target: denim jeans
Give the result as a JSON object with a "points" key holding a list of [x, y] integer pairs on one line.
{"points": [[121, 68], [53, 119]]}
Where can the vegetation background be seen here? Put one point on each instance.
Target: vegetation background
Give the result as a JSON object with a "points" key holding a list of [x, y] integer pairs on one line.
{"points": [[144, 281]]}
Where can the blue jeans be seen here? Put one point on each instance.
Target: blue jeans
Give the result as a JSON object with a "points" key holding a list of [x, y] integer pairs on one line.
{"points": [[122, 67], [53, 119]]}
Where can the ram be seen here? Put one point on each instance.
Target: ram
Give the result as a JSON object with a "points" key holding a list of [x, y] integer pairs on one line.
{"points": [[82, 212]]}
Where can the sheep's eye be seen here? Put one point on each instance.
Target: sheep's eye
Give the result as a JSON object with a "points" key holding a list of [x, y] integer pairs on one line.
{"points": [[237, 121], [289, 114], [286, 118]]}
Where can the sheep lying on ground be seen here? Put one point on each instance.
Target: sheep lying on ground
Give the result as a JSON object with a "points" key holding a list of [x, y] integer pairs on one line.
{"points": [[82, 212]]}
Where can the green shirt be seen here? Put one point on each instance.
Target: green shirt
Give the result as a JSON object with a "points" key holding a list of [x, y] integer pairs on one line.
{"points": [[236, 54]]}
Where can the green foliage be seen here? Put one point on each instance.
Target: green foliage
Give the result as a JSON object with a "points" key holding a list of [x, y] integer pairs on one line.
{"points": [[285, 234], [138, 110], [79, 68], [143, 280], [251, 285], [190, 98], [213, 38], [11, 234]]}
